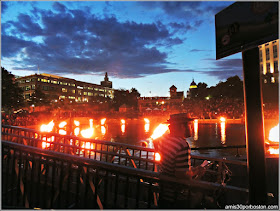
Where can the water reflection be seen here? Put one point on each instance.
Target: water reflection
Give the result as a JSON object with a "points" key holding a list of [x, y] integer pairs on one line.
{"points": [[123, 126], [147, 125], [195, 127], [223, 132]]}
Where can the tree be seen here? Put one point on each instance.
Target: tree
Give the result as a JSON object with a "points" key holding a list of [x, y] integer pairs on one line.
{"points": [[39, 98], [12, 94]]}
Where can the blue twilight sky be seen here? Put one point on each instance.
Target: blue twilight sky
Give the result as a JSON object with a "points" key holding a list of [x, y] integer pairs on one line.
{"points": [[142, 44]]}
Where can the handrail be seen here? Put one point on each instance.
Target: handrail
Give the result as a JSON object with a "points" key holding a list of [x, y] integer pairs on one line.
{"points": [[119, 168]]}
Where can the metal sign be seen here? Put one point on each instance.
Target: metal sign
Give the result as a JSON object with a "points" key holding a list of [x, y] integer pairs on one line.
{"points": [[244, 25]]}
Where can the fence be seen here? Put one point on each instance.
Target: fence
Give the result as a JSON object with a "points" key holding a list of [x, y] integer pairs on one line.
{"points": [[39, 178]]}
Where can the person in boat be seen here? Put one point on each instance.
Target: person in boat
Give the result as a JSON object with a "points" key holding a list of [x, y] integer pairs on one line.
{"points": [[175, 155]]}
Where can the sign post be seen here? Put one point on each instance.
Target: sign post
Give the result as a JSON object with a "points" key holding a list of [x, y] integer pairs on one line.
{"points": [[241, 27]]}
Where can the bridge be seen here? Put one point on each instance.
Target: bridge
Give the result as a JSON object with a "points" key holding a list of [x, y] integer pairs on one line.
{"points": [[49, 170]]}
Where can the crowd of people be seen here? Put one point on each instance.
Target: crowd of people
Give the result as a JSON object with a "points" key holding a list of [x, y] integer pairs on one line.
{"points": [[214, 108], [203, 109]]}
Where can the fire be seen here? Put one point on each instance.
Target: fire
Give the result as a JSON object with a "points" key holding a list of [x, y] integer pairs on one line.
{"points": [[159, 131], [103, 130], [222, 119], [88, 133], [102, 121], [122, 121], [274, 134], [48, 127], [195, 124], [157, 156], [147, 121], [76, 123], [274, 138], [62, 124]]}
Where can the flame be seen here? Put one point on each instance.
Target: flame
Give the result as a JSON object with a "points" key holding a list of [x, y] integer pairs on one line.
{"points": [[274, 134], [159, 131], [122, 121], [223, 119], [76, 123], [102, 121], [62, 124], [48, 127], [157, 156], [88, 133], [147, 121], [123, 128], [274, 138]]}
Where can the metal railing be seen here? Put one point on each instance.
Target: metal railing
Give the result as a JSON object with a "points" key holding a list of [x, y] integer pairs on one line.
{"points": [[38, 178], [119, 153]]}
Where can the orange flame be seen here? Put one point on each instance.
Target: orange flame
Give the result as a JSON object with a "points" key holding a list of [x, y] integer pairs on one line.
{"points": [[223, 119], [159, 131], [48, 127], [62, 124], [147, 125], [157, 156], [88, 133], [274, 138], [102, 121]]}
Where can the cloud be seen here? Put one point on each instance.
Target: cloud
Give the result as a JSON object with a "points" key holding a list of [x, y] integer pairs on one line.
{"points": [[224, 68], [4, 7], [75, 41]]}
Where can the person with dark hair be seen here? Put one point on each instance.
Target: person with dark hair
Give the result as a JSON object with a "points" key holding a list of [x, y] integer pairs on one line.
{"points": [[175, 155]]}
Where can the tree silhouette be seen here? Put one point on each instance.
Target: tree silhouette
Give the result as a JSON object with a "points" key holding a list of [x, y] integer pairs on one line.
{"points": [[12, 95]]}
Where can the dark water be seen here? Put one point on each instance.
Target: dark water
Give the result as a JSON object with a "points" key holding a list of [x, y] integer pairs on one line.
{"points": [[204, 135]]}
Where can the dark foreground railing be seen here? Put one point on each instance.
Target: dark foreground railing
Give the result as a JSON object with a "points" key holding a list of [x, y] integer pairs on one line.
{"points": [[123, 154], [38, 178]]}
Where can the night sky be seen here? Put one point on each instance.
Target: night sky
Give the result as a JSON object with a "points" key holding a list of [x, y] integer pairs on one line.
{"points": [[147, 45]]}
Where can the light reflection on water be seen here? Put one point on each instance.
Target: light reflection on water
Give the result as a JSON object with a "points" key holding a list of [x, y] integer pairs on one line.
{"points": [[205, 135]]}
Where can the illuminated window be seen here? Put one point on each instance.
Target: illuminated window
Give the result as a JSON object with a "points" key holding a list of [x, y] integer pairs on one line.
{"points": [[45, 80], [272, 80], [39, 79], [261, 58], [73, 85], [90, 94], [64, 83], [27, 80], [276, 70], [90, 88], [80, 87], [73, 91], [267, 54], [61, 97], [64, 90], [54, 82], [71, 97], [85, 93], [275, 53], [265, 81]]}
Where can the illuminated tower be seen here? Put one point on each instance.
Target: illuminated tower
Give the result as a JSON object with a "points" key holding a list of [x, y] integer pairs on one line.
{"points": [[192, 90]]}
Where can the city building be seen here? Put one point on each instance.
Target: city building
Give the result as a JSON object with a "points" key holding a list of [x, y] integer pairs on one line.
{"points": [[157, 104], [192, 92], [269, 69], [269, 61], [61, 88]]}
